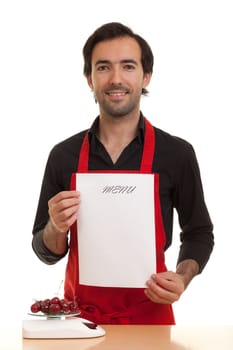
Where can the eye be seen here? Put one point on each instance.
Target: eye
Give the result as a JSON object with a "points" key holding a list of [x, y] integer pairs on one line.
{"points": [[102, 68], [129, 67]]}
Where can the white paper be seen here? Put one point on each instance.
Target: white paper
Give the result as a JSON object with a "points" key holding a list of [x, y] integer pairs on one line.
{"points": [[116, 229]]}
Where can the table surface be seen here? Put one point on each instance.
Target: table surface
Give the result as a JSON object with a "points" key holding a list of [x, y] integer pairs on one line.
{"points": [[120, 337]]}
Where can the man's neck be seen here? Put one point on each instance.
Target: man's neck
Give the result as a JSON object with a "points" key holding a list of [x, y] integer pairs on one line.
{"points": [[116, 133]]}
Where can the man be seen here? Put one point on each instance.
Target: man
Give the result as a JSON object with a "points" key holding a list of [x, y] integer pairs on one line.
{"points": [[118, 65]]}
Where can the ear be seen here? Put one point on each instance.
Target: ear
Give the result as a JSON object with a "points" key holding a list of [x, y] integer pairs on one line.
{"points": [[89, 82], [146, 79]]}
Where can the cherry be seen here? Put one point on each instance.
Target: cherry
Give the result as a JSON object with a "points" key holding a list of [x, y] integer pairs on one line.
{"points": [[44, 307], [35, 307], [54, 309], [66, 308], [74, 307], [55, 300], [55, 306]]}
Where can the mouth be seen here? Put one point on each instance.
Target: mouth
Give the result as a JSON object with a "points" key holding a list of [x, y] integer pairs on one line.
{"points": [[116, 93]]}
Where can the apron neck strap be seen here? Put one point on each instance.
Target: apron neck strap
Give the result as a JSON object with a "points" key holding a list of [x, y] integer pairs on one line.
{"points": [[148, 148], [147, 155], [84, 155]]}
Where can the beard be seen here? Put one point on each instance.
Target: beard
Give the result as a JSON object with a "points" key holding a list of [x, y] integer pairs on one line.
{"points": [[118, 109]]}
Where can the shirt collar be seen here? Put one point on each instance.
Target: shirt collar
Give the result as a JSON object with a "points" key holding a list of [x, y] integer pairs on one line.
{"points": [[140, 134]]}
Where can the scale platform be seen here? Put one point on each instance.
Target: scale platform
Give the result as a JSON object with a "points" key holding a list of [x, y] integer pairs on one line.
{"points": [[74, 327]]}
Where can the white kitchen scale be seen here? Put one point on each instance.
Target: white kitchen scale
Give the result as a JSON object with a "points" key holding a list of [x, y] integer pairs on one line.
{"points": [[60, 327]]}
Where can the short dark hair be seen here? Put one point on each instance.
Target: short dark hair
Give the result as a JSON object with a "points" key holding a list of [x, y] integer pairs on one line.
{"points": [[114, 30]]}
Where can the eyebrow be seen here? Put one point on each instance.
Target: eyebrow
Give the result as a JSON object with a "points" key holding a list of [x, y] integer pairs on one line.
{"points": [[121, 61]]}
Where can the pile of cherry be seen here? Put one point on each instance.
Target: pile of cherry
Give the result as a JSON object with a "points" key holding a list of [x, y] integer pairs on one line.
{"points": [[55, 306]]}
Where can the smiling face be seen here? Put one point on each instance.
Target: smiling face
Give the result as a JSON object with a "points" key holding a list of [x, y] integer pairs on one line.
{"points": [[117, 77]]}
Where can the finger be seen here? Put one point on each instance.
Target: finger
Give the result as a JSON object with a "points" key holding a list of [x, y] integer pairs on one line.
{"points": [[165, 283], [162, 293], [167, 291], [170, 281], [64, 195], [63, 201], [155, 298], [63, 205], [64, 214], [64, 225], [63, 220], [63, 209]]}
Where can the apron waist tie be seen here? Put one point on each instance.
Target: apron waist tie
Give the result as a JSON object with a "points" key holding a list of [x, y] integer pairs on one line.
{"points": [[92, 313]]}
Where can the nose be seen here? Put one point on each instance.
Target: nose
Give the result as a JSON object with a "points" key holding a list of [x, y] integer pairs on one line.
{"points": [[116, 76]]}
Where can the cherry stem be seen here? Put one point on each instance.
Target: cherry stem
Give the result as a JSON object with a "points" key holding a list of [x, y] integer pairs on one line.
{"points": [[59, 288]]}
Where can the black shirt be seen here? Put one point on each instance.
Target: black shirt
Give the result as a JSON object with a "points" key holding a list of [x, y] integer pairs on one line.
{"points": [[180, 187]]}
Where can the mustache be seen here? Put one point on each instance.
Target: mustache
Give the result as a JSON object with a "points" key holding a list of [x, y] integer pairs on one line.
{"points": [[116, 88]]}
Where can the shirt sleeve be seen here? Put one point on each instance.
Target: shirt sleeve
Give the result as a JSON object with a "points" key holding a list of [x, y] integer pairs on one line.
{"points": [[42, 252], [52, 184], [196, 237]]}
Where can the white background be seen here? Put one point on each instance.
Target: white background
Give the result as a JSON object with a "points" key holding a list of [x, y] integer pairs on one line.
{"points": [[44, 98]]}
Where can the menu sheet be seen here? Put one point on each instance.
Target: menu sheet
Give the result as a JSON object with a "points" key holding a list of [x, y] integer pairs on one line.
{"points": [[116, 229]]}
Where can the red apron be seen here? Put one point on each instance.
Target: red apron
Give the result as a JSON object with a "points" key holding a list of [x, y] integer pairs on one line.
{"points": [[108, 305]]}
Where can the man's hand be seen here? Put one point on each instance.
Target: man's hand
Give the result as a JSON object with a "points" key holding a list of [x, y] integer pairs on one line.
{"points": [[165, 287], [63, 209]]}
